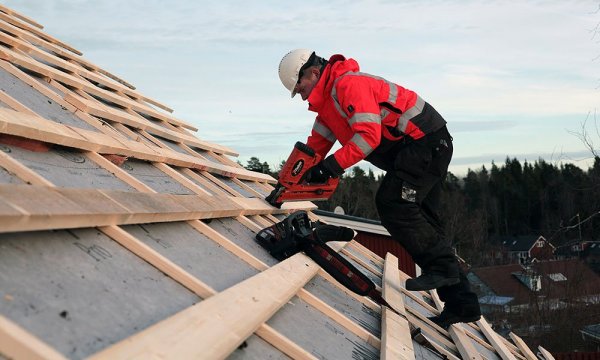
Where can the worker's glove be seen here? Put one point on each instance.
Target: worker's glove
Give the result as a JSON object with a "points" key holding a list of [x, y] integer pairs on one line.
{"points": [[318, 174]]}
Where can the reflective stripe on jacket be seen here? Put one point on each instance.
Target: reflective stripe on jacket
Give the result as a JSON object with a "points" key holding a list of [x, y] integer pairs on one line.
{"points": [[359, 109]]}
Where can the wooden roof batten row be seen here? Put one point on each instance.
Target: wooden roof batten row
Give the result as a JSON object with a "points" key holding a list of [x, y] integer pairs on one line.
{"points": [[36, 128], [64, 54], [68, 79]]}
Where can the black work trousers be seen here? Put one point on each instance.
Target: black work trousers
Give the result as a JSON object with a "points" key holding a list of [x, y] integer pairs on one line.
{"points": [[408, 202]]}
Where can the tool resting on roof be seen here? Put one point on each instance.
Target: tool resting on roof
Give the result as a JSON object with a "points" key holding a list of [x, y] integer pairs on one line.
{"points": [[292, 185], [297, 233]]}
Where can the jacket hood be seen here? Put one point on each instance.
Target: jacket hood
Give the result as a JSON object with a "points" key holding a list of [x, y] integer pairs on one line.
{"points": [[336, 67]]}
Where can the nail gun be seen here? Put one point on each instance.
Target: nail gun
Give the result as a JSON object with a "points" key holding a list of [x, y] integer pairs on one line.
{"points": [[292, 186]]}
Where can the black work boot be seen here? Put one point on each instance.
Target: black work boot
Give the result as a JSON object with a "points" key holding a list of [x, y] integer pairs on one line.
{"points": [[457, 314], [434, 277]]}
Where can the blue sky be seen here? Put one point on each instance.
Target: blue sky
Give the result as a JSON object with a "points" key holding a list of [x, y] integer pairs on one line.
{"points": [[510, 77]]}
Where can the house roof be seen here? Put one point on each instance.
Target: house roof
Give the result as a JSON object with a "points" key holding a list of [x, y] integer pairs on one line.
{"points": [[122, 234], [517, 243], [559, 279]]}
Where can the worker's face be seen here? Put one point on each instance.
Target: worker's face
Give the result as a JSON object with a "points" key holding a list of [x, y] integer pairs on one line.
{"points": [[307, 82]]}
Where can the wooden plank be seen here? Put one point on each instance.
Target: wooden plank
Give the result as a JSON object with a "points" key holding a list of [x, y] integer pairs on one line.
{"points": [[396, 342], [215, 327], [30, 208], [36, 31], [392, 286], [283, 344], [432, 330], [119, 172], [525, 350], [20, 16], [229, 245], [23, 172], [110, 82], [70, 80], [14, 104], [257, 207], [182, 179], [220, 183], [110, 113], [260, 221], [366, 252], [157, 260], [17, 343], [303, 294], [495, 340], [363, 263], [37, 128], [244, 220], [339, 318], [463, 344], [442, 350], [545, 353], [204, 181], [198, 287], [59, 51], [248, 188], [29, 80]]}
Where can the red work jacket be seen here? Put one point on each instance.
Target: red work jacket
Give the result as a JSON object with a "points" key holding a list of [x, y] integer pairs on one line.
{"points": [[359, 110]]}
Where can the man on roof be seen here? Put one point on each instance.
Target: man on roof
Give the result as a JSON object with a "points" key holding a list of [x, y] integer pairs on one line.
{"points": [[396, 130]]}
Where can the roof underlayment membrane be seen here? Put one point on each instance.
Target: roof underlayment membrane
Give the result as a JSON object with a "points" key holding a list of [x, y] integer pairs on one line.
{"points": [[124, 235]]}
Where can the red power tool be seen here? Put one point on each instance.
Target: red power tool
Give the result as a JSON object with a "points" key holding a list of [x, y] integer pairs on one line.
{"points": [[292, 186]]}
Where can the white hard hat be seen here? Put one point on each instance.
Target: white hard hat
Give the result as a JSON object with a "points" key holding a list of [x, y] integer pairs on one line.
{"points": [[290, 65]]}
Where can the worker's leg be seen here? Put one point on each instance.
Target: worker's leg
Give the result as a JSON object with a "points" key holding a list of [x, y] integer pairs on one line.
{"points": [[460, 304], [407, 203]]}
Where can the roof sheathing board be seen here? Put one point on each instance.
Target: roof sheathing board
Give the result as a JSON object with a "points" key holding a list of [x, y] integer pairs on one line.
{"points": [[197, 259]]}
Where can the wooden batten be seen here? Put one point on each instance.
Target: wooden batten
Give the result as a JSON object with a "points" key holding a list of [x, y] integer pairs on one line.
{"points": [[283, 344], [364, 264], [545, 353], [31, 208], [527, 353], [20, 16], [495, 340], [396, 342], [463, 344], [17, 343], [77, 83], [339, 318], [391, 284], [37, 128], [36, 31], [157, 260], [212, 328]]}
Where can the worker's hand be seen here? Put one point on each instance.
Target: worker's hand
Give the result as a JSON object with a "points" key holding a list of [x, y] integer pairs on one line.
{"points": [[318, 174]]}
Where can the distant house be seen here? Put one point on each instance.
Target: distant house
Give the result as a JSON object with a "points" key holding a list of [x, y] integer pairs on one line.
{"points": [[589, 251], [522, 249], [513, 287], [372, 235]]}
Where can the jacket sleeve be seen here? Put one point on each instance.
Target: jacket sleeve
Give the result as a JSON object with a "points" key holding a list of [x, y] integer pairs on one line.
{"points": [[359, 107], [321, 139]]}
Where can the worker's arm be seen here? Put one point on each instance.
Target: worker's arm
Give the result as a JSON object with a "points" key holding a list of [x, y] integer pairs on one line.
{"points": [[361, 110], [321, 139]]}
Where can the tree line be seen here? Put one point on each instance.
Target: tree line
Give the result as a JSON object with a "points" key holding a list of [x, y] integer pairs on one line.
{"points": [[557, 201]]}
